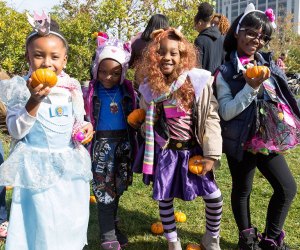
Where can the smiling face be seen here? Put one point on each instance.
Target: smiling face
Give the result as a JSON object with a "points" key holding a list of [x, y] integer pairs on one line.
{"points": [[169, 56], [47, 52], [109, 73], [249, 41]]}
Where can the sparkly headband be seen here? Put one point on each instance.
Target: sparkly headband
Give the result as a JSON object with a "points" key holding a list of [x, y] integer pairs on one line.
{"points": [[41, 26], [251, 8]]}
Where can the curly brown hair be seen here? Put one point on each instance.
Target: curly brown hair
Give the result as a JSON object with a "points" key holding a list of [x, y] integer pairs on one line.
{"points": [[159, 83], [223, 23]]}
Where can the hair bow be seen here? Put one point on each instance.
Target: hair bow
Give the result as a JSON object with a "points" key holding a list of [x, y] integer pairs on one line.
{"points": [[271, 16]]}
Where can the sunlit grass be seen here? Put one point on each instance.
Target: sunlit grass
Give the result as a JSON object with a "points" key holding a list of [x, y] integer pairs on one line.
{"points": [[138, 211]]}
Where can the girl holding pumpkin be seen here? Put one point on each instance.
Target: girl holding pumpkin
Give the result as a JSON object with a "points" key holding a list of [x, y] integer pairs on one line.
{"points": [[260, 120], [50, 172], [110, 99], [181, 121]]}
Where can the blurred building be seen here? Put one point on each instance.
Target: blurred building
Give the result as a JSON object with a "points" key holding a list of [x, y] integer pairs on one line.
{"points": [[233, 8]]}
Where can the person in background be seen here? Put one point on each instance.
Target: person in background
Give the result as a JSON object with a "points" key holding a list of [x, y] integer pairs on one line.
{"points": [[260, 120], [157, 21], [3, 208], [222, 22], [210, 40], [280, 62]]}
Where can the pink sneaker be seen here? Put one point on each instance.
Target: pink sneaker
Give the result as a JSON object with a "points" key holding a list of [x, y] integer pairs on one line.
{"points": [[3, 229]]}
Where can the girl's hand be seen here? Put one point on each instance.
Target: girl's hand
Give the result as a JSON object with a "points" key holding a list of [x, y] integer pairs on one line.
{"points": [[88, 132], [207, 164], [38, 93], [256, 82]]}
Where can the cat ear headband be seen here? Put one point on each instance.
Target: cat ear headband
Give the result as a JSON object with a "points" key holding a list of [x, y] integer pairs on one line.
{"points": [[41, 26], [111, 48], [251, 8], [161, 32]]}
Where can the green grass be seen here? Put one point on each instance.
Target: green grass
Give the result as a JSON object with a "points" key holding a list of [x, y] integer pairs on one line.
{"points": [[138, 211]]}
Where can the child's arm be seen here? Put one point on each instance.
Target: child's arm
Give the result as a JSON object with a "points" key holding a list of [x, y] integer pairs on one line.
{"points": [[209, 130], [143, 105], [212, 139], [37, 95], [231, 106], [20, 118]]}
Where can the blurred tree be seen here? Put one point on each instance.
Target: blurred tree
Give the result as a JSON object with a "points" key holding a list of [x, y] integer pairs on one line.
{"points": [[182, 13], [122, 18], [285, 40], [13, 31]]}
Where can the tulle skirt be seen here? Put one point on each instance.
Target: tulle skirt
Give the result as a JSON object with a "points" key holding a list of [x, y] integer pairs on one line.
{"points": [[278, 129]]}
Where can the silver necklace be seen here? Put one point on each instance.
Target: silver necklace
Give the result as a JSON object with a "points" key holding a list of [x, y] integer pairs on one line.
{"points": [[113, 106]]}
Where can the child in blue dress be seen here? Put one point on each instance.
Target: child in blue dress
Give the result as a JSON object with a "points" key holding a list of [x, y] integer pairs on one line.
{"points": [[260, 120], [50, 172], [110, 99]]}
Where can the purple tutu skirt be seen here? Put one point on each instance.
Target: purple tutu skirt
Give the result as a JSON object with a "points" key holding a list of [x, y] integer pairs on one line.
{"points": [[172, 179]]}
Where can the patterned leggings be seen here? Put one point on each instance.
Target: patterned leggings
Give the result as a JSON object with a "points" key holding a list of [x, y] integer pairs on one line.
{"points": [[213, 211]]}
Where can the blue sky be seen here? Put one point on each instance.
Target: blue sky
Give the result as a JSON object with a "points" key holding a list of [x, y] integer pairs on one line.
{"points": [[21, 5]]}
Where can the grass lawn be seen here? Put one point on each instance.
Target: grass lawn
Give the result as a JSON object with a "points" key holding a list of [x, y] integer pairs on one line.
{"points": [[138, 211]]}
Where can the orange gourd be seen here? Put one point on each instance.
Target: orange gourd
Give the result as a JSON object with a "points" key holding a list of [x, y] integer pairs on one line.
{"points": [[93, 199], [157, 228], [180, 217], [136, 117], [193, 247], [43, 76], [194, 166], [256, 71]]}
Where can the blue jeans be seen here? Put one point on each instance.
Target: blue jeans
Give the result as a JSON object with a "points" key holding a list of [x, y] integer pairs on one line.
{"points": [[3, 211]]}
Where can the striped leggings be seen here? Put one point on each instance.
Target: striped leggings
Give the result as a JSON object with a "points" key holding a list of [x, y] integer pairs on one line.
{"points": [[213, 211]]}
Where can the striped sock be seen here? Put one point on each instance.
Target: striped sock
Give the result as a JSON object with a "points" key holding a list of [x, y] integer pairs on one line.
{"points": [[166, 212], [213, 211]]}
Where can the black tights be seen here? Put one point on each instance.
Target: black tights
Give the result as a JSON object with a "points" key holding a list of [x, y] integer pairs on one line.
{"points": [[275, 169], [107, 215]]}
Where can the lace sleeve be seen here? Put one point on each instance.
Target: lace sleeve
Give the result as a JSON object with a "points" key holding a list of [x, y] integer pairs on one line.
{"points": [[14, 92]]}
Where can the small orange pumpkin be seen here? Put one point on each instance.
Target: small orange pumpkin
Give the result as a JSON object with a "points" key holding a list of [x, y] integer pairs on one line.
{"points": [[180, 217], [256, 71], [157, 228], [191, 246], [93, 199], [136, 117], [195, 167], [43, 76]]}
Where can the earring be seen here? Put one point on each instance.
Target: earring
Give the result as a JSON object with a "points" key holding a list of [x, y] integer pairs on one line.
{"points": [[65, 66]]}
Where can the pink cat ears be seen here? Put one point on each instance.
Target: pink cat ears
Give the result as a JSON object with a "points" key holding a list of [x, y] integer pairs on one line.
{"points": [[40, 23], [111, 48], [103, 39]]}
